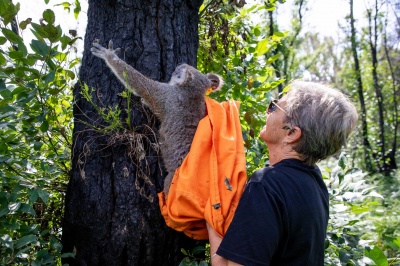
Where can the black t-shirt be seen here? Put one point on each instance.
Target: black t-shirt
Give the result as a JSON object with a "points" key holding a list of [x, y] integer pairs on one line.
{"points": [[281, 218]]}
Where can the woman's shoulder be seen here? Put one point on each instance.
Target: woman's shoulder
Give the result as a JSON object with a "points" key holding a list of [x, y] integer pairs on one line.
{"points": [[283, 172], [265, 175]]}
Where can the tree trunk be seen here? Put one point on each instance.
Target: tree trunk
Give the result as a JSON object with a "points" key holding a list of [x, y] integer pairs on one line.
{"points": [[112, 215], [357, 70], [385, 159], [396, 121]]}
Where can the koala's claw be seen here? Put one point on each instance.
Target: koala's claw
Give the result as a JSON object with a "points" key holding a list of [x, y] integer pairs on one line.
{"points": [[110, 47], [102, 52]]}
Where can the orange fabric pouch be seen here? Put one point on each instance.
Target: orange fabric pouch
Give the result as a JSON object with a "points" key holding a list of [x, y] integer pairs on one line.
{"points": [[210, 181]]}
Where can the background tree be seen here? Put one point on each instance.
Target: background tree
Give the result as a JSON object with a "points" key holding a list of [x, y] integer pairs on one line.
{"points": [[384, 162], [382, 108], [286, 67], [112, 215], [360, 90]]}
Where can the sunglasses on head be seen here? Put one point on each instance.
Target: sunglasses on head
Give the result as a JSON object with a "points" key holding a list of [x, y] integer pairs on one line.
{"points": [[272, 107]]}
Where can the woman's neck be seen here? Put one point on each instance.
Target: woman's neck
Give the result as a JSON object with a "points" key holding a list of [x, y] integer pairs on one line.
{"points": [[282, 152]]}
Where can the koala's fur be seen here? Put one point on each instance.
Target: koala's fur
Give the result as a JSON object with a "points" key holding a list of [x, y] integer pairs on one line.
{"points": [[179, 104]]}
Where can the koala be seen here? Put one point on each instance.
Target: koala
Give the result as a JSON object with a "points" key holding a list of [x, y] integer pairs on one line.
{"points": [[179, 104]]}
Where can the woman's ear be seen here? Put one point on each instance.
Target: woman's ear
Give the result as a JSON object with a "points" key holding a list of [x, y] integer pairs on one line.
{"points": [[293, 134]]}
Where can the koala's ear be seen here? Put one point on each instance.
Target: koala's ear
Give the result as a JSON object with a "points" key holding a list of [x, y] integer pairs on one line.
{"points": [[180, 76], [216, 81]]}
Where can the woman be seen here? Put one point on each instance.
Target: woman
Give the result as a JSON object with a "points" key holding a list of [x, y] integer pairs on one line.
{"points": [[283, 213]]}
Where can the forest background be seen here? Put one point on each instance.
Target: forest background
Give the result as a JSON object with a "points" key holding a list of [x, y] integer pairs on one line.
{"points": [[257, 58]]}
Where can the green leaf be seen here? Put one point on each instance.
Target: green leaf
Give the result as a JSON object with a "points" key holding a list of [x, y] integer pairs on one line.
{"points": [[44, 126], [66, 5], [44, 195], [11, 36], [31, 229], [39, 31], [43, 257], [286, 89], [394, 243], [3, 7], [65, 103], [65, 40], [68, 255], [70, 74], [25, 240], [359, 209], [50, 63], [49, 16], [2, 40], [50, 77], [184, 251], [18, 90], [397, 242], [37, 145], [77, 9], [273, 58], [33, 195], [16, 55], [22, 48], [55, 244], [40, 47], [11, 12], [3, 147], [262, 47], [198, 250], [279, 34], [53, 33], [61, 57], [377, 256], [257, 31], [26, 208], [342, 161], [3, 60], [3, 212], [188, 262]]}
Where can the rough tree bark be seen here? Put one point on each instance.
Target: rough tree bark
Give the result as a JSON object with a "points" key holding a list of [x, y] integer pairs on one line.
{"points": [[112, 215]]}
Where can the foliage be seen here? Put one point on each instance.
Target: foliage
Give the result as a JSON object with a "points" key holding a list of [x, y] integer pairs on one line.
{"points": [[110, 115], [35, 136], [356, 213], [232, 45], [192, 257]]}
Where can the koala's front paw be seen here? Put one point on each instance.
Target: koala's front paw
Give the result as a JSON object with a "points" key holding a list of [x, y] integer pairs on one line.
{"points": [[101, 52]]}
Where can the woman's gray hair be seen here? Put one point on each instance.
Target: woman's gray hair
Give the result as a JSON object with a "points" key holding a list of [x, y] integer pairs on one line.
{"points": [[325, 116]]}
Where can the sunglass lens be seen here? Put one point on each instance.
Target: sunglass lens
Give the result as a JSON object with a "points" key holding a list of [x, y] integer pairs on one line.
{"points": [[271, 107]]}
